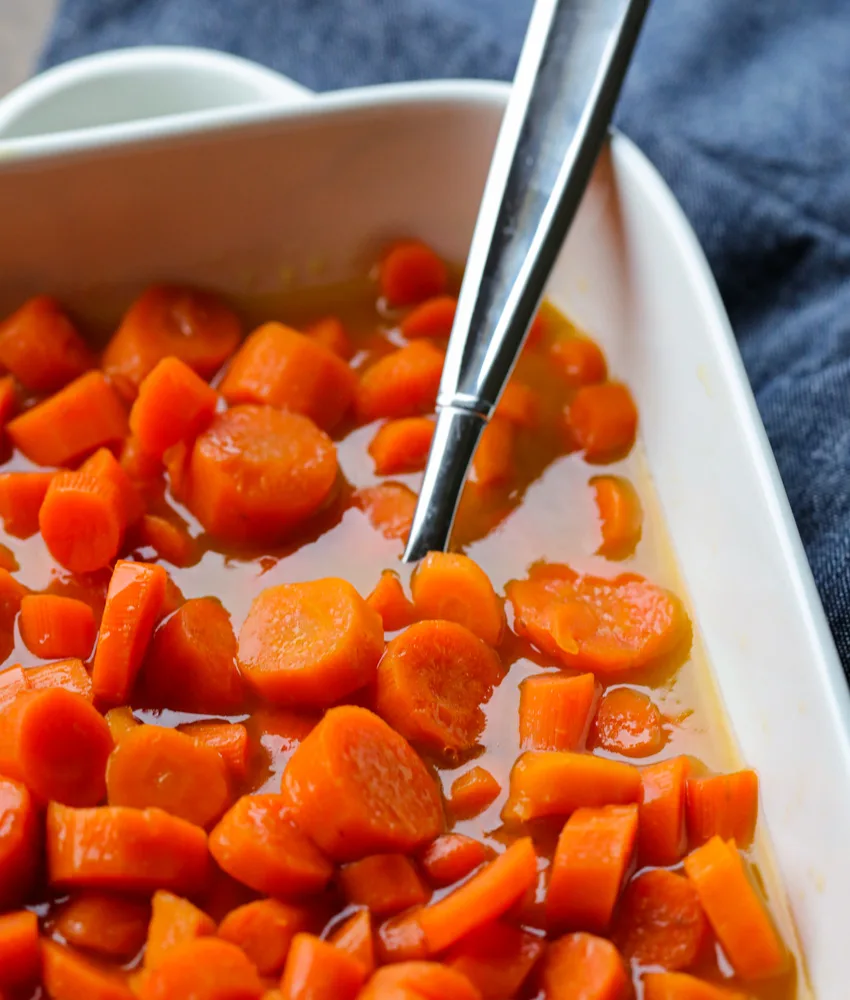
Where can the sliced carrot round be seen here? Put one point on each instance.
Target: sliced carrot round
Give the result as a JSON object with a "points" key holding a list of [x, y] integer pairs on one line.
{"points": [[402, 445], [582, 965], [204, 969], [555, 711], [411, 272], [82, 521], [419, 981], [401, 384], [620, 515], [724, 805], [578, 360], [452, 587], [56, 628], [41, 348], [663, 839], [627, 722], [603, 420]]}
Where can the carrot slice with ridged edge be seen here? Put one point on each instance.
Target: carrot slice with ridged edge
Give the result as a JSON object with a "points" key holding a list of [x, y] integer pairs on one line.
{"points": [[82, 521], [401, 384], [627, 722], [105, 923], [401, 445], [472, 792], [264, 930], [20, 960], [316, 970], [384, 883], [21, 497], [174, 404], [662, 839], [103, 465], [413, 980], [20, 844], [555, 711], [452, 587], [411, 272], [69, 975], [55, 627], [620, 515], [392, 604], [207, 969], [174, 921], [356, 938], [723, 805], [40, 346], [496, 958], [582, 965]]}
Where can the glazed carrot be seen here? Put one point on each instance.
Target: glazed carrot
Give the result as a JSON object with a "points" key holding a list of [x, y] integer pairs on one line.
{"points": [[105, 466], [133, 603], [20, 843], [485, 897], [68, 975], [316, 970], [389, 507], [605, 626], [8, 398], [592, 861], [419, 981], [195, 327], [121, 721], [280, 367], [21, 497], [660, 921], [137, 463], [493, 461], [419, 692], [278, 732], [735, 910], [401, 384], [401, 445], [410, 273], [82, 521], [680, 986], [385, 883], [335, 763], [356, 939], [264, 930], [173, 921], [257, 843], [620, 515], [83, 416], [401, 939], [164, 769], [602, 420], [203, 969], [102, 922], [581, 965], [473, 792], [390, 601], [627, 722], [519, 405], [662, 839], [452, 857], [723, 805], [578, 360], [558, 783], [555, 711], [124, 850], [13, 680], [41, 348], [53, 627], [496, 959], [330, 333], [190, 664], [20, 959], [256, 473], [432, 318], [69, 674], [451, 586], [36, 732], [169, 540], [230, 739]]}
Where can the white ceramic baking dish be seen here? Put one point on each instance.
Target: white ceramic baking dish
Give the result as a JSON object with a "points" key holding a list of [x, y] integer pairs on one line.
{"points": [[250, 198]]}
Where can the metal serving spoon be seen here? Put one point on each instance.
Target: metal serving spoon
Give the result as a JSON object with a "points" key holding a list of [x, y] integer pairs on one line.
{"points": [[570, 71]]}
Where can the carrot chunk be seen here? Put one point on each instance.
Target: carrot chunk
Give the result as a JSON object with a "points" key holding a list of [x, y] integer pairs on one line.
{"points": [[402, 445], [432, 318], [330, 333], [356, 939], [419, 981], [592, 862], [620, 515], [581, 965], [257, 843], [384, 798], [451, 586], [316, 970], [264, 930], [203, 969], [68, 975], [558, 783], [41, 348], [385, 883], [104, 923], [496, 959], [69, 674], [410, 273], [169, 539], [605, 626], [736, 912], [137, 463], [578, 360], [82, 521], [53, 627], [400, 939], [133, 603], [21, 497], [164, 321], [662, 839], [57, 745], [390, 601], [389, 507], [174, 921], [493, 461], [680, 986], [174, 404], [723, 805], [627, 722], [79, 418], [256, 473], [20, 958], [230, 739], [473, 792], [452, 857], [432, 681], [20, 843], [518, 405], [280, 367], [555, 711], [602, 420], [105, 466], [125, 850], [401, 384]]}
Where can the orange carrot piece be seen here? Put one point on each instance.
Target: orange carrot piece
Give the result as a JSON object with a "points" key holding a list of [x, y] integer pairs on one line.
{"points": [[68, 975], [82, 521], [53, 627], [592, 861], [69, 674], [736, 912], [602, 420], [680, 986], [277, 733], [401, 445], [401, 939], [20, 958], [133, 603], [330, 333], [620, 515], [519, 405], [137, 463], [337, 763], [590, 623], [13, 680], [420, 691], [662, 838], [452, 587], [412, 980], [79, 418], [21, 497], [432, 318], [190, 664], [203, 969], [124, 850], [473, 792], [485, 897], [256, 473], [493, 461], [280, 367], [578, 360], [121, 721], [41, 348], [557, 783], [264, 930], [20, 843], [627, 722], [723, 805], [230, 739], [57, 745], [390, 601], [164, 321], [411, 273], [401, 384], [389, 507], [105, 466], [174, 921], [356, 939], [316, 970], [555, 711], [385, 883], [496, 959], [169, 540], [660, 921], [257, 843], [581, 965], [102, 922], [8, 398], [452, 857]]}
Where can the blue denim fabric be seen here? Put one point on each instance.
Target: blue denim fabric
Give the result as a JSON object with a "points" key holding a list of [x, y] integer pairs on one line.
{"points": [[744, 105]]}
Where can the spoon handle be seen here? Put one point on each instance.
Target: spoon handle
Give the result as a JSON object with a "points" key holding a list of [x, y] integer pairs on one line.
{"points": [[570, 71]]}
